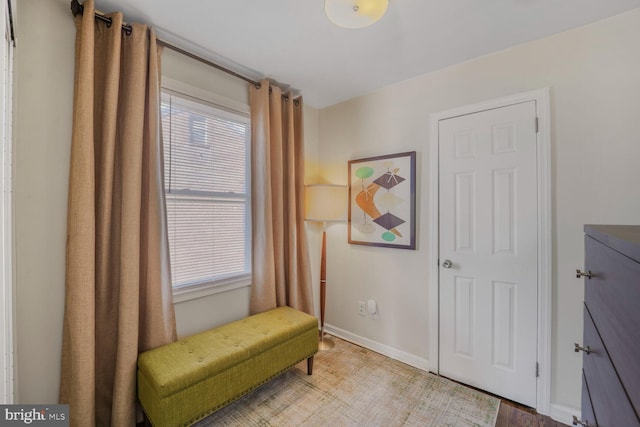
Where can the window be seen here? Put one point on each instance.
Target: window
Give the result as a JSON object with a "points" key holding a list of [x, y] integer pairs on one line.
{"points": [[206, 166]]}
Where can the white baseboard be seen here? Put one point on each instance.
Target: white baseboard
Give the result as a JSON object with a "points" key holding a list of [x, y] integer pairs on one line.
{"points": [[394, 353], [563, 414]]}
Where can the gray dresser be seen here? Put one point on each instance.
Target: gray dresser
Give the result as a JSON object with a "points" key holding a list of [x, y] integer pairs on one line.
{"points": [[611, 342]]}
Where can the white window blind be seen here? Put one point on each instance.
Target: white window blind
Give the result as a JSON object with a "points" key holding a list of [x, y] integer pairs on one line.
{"points": [[206, 162]]}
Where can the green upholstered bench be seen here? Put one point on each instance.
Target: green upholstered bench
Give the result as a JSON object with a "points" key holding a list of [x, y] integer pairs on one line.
{"points": [[183, 382]]}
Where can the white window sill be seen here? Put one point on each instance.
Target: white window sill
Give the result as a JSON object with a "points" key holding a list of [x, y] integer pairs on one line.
{"points": [[187, 293]]}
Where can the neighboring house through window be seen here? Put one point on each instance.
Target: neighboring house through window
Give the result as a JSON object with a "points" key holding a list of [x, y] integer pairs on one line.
{"points": [[207, 181]]}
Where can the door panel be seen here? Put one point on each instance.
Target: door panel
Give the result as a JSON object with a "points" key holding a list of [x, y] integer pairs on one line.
{"points": [[488, 230], [503, 211], [504, 298], [463, 329], [464, 211]]}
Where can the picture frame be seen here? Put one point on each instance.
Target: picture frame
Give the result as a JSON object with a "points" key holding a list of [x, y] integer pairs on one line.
{"points": [[382, 201]]}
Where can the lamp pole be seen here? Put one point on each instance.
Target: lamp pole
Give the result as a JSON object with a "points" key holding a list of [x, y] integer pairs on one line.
{"points": [[325, 344], [325, 203]]}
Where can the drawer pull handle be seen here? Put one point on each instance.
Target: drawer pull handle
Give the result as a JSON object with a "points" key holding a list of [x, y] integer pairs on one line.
{"points": [[580, 274], [586, 349], [584, 423]]}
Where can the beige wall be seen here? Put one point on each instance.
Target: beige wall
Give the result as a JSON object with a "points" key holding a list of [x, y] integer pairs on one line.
{"points": [[44, 91], [44, 88], [595, 100]]}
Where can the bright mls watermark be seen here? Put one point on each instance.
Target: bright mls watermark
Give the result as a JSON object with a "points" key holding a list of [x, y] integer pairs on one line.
{"points": [[36, 415]]}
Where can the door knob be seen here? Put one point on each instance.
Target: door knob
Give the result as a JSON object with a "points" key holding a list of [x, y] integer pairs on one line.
{"points": [[447, 263]]}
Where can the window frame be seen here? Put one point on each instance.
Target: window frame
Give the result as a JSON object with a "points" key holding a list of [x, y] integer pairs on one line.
{"points": [[236, 110], [7, 206]]}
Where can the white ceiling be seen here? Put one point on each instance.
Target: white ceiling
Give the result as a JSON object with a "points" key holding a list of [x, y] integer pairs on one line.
{"points": [[292, 42]]}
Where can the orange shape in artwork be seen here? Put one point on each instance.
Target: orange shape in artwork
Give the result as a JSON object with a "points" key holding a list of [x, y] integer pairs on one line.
{"points": [[364, 199]]}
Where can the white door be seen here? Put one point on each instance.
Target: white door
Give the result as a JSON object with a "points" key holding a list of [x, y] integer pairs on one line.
{"points": [[488, 250]]}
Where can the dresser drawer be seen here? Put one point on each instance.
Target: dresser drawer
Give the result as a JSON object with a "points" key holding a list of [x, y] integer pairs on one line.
{"points": [[588, 416], [613, 299], [611, 405]]}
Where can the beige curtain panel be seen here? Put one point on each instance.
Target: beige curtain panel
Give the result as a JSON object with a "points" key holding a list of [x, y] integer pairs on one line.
{"points": [[118, 299], [280, 263]]}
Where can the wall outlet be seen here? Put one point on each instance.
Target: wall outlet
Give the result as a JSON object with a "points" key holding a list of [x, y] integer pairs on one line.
{"points": [[362, 308]]}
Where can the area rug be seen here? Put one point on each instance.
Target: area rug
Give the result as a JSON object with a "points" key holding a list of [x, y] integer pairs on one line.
{"points": [[353, 386]]}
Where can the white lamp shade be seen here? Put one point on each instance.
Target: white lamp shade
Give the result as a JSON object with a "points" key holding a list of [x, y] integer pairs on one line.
{"points": [[355, 13], [325, 203]]}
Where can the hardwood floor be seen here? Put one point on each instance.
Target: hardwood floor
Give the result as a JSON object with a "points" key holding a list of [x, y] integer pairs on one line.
{"points": [[514, 415]]}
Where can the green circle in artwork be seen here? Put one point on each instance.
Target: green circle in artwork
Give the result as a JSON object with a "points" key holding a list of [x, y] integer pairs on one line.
{"points": [[388, 236], [364, 172]]}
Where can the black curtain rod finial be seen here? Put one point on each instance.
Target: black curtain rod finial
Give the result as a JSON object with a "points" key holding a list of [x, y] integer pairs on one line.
{"points": [[76, 8]]}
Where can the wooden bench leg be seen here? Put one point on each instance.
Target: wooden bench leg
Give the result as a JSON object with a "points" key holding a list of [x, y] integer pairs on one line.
{"points": [[310, 365]]}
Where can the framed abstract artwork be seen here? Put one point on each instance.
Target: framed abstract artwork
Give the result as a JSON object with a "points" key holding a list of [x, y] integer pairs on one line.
{"points": [[382, 201]]}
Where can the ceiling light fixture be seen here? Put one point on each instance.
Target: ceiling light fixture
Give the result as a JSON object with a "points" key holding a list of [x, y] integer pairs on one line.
{"points": [[355, 13]]}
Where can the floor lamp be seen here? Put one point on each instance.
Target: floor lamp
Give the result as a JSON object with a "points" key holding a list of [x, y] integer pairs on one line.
{"points": [[325, 203]]}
